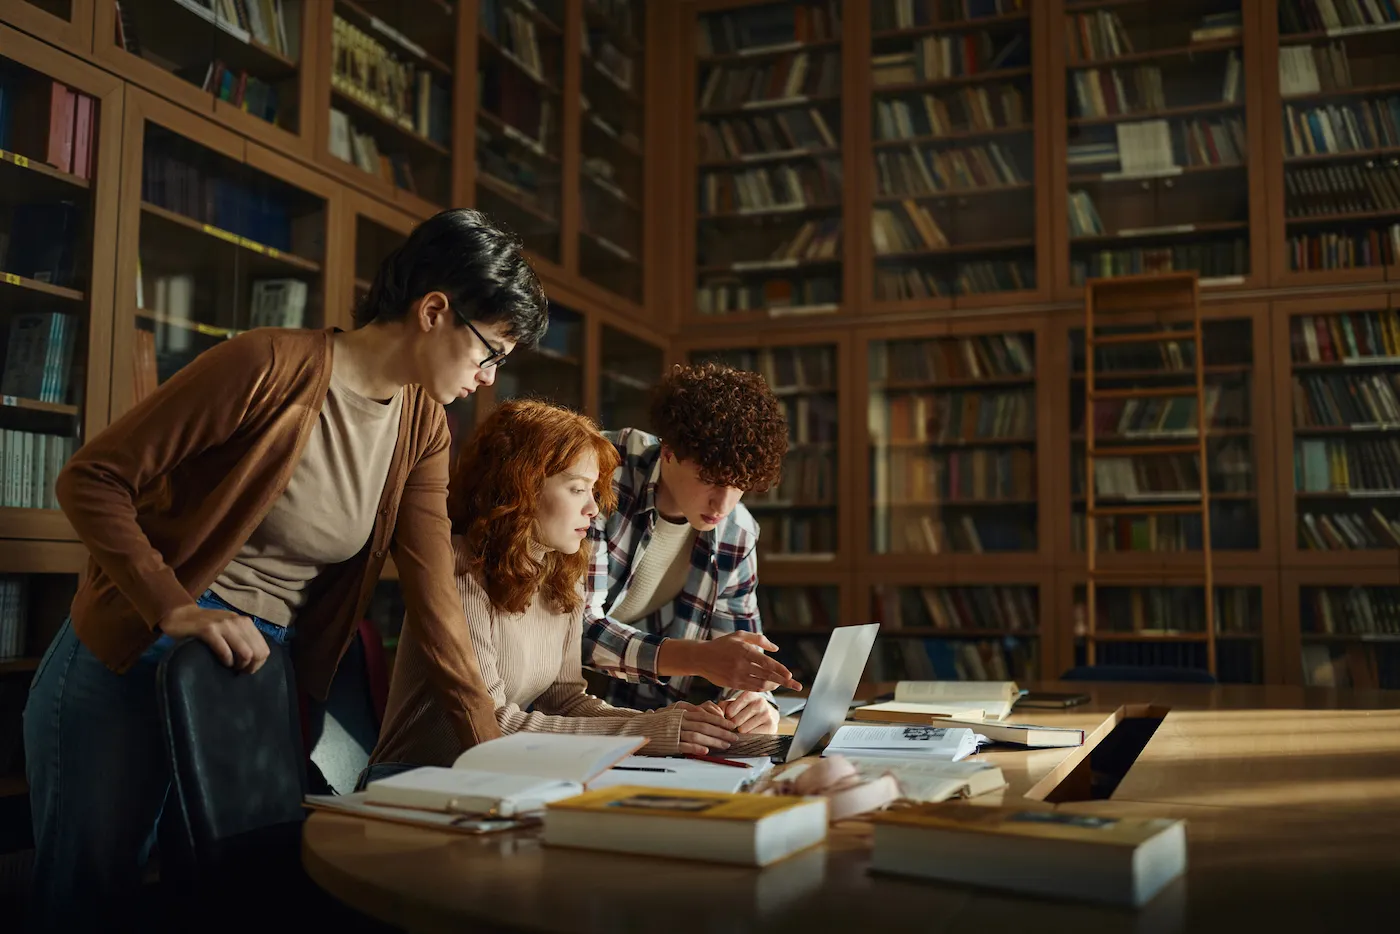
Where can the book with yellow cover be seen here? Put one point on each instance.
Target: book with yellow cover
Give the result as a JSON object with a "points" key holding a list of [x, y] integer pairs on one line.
{"points": [[730, 828], [1119, 860]]}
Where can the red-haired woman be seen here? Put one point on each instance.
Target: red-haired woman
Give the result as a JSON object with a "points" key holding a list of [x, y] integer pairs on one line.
{"points": [[522, 499]]}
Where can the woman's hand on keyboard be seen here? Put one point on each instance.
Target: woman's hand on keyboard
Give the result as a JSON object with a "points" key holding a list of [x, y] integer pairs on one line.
{"points": [[750, 712], [704, 729]]}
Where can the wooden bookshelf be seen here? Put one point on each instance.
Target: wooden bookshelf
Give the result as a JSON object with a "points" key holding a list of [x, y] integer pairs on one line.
{"points": [[612, 69], [957, 208], [1157, 159], [1329, 141], [555, 370], [761, 226], [954, 625], [629, 365], [1335, 421], [1158, 618], [400, 145], [248, 74], [58, 198], [950, 469], [799, 612], [193, 272], [65, 23], [522, 62], [804, 515], [1238, 376], [1340, 628]]}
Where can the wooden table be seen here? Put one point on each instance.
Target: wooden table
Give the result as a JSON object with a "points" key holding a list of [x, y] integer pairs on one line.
{"points": [[1292, 798]]}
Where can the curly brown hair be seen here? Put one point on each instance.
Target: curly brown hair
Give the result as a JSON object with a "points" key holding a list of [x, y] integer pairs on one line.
{"points": [[493, 492], [726, 421]]}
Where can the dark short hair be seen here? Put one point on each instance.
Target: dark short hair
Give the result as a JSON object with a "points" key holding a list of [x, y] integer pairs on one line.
{"points": [[477, 265], [725, 421]]}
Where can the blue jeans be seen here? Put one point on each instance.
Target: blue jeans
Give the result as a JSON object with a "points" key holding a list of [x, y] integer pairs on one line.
{"points": [[98, 776]]}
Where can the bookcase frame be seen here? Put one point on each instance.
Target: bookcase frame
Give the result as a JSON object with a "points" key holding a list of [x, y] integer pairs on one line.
{"points": [[1045, 634], [818, 570], [1291, 617], [73, 34], [1043, 557], [1263, 387], [1254, 58], [1290, 554], [1272, 626], [111, 97], [143, 107], [1272, 113], [157, 80]]}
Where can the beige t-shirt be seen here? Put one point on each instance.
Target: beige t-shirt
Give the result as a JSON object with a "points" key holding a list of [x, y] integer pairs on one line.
{"points": [[661, 574], [325, 515]]}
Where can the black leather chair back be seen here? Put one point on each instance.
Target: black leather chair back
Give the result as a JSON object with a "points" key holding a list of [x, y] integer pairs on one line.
{"points": [[235, 750]]}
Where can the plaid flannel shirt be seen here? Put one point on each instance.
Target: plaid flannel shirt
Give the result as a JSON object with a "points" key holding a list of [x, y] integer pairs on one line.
{"points": [[718, 596]]}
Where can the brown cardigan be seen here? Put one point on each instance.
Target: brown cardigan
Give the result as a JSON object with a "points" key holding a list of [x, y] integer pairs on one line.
{"points": [[165, 497]]}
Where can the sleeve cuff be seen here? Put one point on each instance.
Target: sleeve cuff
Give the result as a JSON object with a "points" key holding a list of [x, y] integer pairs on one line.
{"points": [[644, 659]]}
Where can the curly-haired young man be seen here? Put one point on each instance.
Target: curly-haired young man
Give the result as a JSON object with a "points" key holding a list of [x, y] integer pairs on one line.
{"points": [[671, 586]]}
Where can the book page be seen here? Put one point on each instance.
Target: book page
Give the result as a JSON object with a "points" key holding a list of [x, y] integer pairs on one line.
{"points": [[932, 779], [907, 740], [944, 692], [550, 755]]}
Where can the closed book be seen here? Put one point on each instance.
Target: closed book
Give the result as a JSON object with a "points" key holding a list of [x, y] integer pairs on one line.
{"points": [[749, 830], [996, 731], [996, 698], [1115, 860]]}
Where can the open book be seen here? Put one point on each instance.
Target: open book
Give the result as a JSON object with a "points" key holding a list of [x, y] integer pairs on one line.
{"points": [[502, 778], [931, 780], [902, 742], [919, 701]]}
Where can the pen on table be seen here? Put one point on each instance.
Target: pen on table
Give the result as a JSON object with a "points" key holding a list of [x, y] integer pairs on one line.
{"points": [[718, 761], [639, 768]]}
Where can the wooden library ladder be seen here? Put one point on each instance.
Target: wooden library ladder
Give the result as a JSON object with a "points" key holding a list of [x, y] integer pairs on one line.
{"points": [[1162, 301]]}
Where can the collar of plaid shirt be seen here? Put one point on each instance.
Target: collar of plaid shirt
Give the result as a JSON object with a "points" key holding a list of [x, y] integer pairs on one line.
{"points": [[718, 595]]}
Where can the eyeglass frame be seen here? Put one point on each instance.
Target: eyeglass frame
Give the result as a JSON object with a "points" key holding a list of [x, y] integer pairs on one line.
{"points": [[494, 357]]}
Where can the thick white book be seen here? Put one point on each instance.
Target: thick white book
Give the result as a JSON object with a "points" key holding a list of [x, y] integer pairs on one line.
{"points": [[505, 777], [907, 741]]}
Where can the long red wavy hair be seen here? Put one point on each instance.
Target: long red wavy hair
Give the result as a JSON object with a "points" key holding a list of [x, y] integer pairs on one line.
{"points": [[494, 492]]}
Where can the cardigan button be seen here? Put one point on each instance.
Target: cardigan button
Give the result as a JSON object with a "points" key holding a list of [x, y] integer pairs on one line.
{"points": [[379, 554]]}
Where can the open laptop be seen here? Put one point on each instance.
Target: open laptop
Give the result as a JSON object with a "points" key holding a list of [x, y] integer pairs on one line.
{"points": [[830, 700]]}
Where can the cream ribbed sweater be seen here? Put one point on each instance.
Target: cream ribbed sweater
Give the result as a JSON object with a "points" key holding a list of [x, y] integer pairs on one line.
{"points": [[532, 658]]}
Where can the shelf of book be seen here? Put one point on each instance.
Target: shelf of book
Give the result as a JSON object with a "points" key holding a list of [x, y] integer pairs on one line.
{"points": [[388, 84], [1158, 619], [555, 370], [803, 516], [521, 64], [1153, 140], [767, 233], [958, 208], [194, 269], [1147, 448], [629, 365], [66, 23], [249, 64], [1338, 415], [951, 467], [798, 613], [1332, 141], [60, 153], [612, 66], [1342, 628], [951, 624]]}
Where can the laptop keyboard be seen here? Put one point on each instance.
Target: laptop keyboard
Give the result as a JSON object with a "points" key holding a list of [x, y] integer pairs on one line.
{"points": [[761, 744]]}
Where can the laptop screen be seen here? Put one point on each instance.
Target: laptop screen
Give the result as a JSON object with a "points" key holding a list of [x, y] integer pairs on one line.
{"points": [[834, 687]]}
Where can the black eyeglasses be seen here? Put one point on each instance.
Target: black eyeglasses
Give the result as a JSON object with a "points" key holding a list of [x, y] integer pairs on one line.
{"points": [[494, 357]]}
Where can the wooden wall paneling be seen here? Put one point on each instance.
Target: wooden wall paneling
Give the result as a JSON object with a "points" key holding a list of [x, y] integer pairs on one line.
{"points": [[73, 33], [1291, 556], [844, 345], [857, 159]]}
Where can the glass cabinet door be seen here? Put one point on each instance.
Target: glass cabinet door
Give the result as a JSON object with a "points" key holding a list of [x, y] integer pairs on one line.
{"points": [[630, 368], [553, 371]]}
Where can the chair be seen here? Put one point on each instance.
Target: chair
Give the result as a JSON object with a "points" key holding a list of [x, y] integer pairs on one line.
{"points": [[342, 730], [231, 849], [1158, 673]]}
